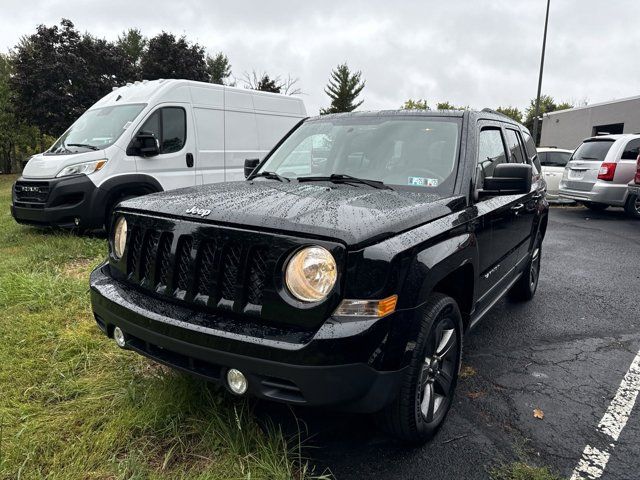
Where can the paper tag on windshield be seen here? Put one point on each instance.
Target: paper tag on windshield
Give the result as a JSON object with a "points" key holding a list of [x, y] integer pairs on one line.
{"points": [[423, 182]]}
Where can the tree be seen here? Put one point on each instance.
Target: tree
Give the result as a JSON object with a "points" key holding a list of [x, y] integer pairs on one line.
{"points": [[419, 104], [133, 44], [58, 74], [449, 106], [276, 84], [343, 90], [168, 57], [547, 105], [512, 112], [219, 69]]}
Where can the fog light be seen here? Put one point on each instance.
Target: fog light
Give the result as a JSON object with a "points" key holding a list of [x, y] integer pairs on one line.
{"points": [[118, 336], [237, 381]]}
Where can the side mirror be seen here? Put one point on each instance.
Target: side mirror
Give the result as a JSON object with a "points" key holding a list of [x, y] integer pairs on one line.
{"points": [[144, 144], [250, 165], [508, 179]]}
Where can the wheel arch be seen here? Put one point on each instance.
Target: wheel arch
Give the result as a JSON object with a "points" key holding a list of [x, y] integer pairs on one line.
{"points": [[124, 185]]}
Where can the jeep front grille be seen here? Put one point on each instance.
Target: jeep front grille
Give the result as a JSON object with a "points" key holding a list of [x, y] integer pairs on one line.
{"points": [[213, 272]]}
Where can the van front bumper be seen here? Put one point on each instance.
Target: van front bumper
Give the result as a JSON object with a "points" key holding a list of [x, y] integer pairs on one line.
{"points": [[61, 202], [601, 192], [327, 367]]}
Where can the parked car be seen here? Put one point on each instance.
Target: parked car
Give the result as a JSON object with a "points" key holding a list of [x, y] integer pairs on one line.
{"points": [[553, 161], [149, 137], [348, 282], [599, 171], [634, 191]]}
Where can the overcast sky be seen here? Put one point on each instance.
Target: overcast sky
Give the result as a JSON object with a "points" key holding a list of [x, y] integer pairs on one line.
{"points": [[477, 53]]}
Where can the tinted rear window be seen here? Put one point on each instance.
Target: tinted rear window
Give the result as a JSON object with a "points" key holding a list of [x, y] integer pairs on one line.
{"points": [[593, 150]]}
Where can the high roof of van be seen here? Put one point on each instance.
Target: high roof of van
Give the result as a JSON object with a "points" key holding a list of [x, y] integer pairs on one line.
{"points": [[206, 95]]}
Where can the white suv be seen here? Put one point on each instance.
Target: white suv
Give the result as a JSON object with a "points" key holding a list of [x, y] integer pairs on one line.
{"points": [[599, 171], [553, 161]]}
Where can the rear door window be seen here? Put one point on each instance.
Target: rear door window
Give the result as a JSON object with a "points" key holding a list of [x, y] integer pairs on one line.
{"points": [[515, 147], [632, 150], [593, 150]]}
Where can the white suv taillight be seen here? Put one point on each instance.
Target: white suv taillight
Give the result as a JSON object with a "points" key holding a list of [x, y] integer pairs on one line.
{"points": [[607, 171]]}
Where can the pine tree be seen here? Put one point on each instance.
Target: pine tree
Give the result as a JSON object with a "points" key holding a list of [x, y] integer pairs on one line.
{"points": [[343, 89]]}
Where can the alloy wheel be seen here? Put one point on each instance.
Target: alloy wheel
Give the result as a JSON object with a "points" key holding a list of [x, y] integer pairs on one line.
{"points": [[439, 370]]}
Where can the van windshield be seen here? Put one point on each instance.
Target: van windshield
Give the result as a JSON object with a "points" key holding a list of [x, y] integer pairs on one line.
{"points": [[96, 129], [593, 150], [405, 152]]}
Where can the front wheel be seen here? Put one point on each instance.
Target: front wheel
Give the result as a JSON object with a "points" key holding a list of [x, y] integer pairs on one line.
{"points": [[426, 391], [632, 207]]}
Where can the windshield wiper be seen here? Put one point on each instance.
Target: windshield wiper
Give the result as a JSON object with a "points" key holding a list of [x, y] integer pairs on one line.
{"points": [[85, 145], [271, 176], [343, 178]]}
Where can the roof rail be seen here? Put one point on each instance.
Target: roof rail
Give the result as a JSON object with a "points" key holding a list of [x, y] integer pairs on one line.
{"points": [[495, 112]]}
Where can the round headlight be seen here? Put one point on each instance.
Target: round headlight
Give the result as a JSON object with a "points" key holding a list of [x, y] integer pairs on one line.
{"points": [[311, 274], [119, 237]]}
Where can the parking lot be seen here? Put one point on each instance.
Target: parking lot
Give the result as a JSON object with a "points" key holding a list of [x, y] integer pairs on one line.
{"points": [[565, 353]]}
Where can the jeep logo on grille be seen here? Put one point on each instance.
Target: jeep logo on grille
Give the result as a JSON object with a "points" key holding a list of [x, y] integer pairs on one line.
{"points": [[198, 211]]}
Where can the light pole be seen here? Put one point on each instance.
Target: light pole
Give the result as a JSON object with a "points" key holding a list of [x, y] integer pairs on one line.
{"points": [[536, 121]]}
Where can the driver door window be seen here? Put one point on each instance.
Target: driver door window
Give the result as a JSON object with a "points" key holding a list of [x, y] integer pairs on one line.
{"points": [[491, 152], [169, 126]]}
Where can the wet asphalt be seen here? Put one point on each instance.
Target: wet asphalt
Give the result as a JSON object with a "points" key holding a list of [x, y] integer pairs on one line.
{"points": [[565, 353]]}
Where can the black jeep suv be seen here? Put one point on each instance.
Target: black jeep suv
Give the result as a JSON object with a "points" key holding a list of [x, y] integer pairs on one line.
{"points": [[344, 271]]}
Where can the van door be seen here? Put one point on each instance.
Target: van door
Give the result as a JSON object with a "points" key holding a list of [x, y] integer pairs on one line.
{"points": [[173, 167]]}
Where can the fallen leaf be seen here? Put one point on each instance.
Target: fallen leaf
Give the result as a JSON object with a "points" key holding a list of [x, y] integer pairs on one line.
{"points": [[538, 413], [467, 371], [474, 395]]}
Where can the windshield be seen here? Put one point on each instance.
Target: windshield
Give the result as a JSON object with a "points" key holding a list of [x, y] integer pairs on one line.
{"points": [[417, 153], [96, 129], [592, 150]]}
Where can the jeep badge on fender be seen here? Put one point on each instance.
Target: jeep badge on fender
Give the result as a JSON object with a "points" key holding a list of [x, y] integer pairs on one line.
{"points": [[354, 295]]}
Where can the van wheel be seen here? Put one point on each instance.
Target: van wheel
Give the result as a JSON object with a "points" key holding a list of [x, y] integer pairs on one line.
{"points": [[108, 218], [525, 288], [632, 207], [427, 388], [596, 207]]}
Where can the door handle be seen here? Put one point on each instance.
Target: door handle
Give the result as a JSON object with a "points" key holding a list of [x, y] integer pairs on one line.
{"points": [[517, 208], [189, 159]]}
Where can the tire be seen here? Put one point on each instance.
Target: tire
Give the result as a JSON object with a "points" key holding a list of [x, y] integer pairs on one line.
{"points": [[526, 286], [632, 207], [427, 388], [596, 207]]}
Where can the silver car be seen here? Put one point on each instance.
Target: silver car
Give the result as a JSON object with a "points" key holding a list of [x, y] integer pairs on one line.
{"points": [[599, 171]]}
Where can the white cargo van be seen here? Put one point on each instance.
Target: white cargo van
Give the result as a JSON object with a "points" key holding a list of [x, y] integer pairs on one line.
{"points": [[148, 137]]}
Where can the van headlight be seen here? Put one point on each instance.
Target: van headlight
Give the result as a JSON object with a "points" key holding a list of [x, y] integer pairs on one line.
{"points": [[311, 274], [119, 237], [79, 168]]}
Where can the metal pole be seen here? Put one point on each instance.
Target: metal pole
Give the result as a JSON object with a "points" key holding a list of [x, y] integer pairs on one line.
{"points": [[536, 121]]}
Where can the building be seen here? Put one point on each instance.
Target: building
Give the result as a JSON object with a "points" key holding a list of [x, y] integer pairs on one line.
{"points": [[567, 128]]}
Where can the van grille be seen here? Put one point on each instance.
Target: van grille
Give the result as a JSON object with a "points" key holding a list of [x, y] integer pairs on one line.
{"points": [[31, 192], [220, 273]]}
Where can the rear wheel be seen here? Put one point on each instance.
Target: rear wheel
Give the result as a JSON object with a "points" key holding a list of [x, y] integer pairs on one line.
{"points": [[632, 207], [597, 207], [525, 288], [427, 389]]}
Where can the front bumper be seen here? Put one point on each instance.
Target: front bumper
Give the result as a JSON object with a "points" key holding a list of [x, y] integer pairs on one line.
{"points": [[601, 192], [61, 202], [328, 367]]}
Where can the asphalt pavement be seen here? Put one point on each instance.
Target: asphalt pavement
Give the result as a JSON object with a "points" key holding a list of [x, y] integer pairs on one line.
{"points": [[565, 353]]}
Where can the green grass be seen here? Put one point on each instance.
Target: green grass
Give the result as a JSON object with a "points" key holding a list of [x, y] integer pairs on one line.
{"points": [[72, 406], [522, 471]]}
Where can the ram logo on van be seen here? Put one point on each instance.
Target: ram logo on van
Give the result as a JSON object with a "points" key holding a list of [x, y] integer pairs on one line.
{"points": [[198, 211]]}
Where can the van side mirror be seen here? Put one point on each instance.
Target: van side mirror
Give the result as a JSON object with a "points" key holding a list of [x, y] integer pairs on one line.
{"points": [[508, 179], [144, 144], [250, 165]]}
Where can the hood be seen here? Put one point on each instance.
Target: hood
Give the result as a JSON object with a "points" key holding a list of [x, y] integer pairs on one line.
{"points": [[352, 214], [48, 166]]}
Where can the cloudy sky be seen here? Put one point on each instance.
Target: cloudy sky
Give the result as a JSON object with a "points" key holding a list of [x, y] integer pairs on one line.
{"points": [[469, 52]]}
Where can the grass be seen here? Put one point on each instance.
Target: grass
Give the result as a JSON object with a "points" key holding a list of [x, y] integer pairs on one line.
{"points": [[72, 406], [522, 471]]}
